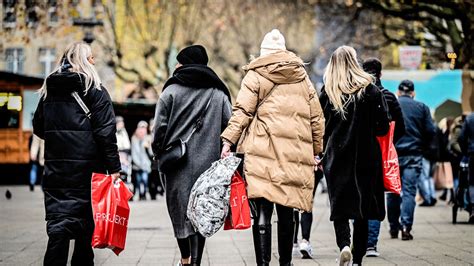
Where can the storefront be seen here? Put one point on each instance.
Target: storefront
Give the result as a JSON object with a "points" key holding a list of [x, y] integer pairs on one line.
{"points": [[18, 100]]}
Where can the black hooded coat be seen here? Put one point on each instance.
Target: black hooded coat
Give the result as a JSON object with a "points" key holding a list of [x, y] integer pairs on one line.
{"points": [[75, 147]]}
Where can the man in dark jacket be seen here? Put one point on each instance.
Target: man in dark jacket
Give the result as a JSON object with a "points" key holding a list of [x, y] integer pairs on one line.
{"points": [[374, 67], [75, 147], [419, 130], [466, 141]]}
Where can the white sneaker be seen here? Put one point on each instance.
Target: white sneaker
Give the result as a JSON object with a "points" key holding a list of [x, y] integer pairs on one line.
{"points": [[296, 250], [306, 249], [372, 252], [345, 256]]}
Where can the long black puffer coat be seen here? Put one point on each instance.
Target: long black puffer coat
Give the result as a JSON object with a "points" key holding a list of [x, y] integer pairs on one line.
{"points": [[75, 147]]}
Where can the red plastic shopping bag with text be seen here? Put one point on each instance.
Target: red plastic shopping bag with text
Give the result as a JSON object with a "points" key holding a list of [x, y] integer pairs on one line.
{"points": [[239, 215], [391, 168], [111, 212]]}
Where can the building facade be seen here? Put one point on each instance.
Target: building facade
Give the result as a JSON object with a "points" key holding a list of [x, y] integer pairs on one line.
{"points": [[33, 34]]}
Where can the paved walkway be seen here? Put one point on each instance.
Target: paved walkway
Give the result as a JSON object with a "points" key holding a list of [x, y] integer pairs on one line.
{"points": [[150, 240]]}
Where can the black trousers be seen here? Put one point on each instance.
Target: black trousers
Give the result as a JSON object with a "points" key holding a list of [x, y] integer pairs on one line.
{"points": [[61, 231], [58, 249], [192, 246], [471, 170], [361, 233]]}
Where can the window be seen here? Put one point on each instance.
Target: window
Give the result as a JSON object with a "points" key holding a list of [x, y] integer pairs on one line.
{"points": [[10, 108], [47, 60], [15, 59], [53, 12], [98, 9], [74, 9], [32, 9], [9, 13]]}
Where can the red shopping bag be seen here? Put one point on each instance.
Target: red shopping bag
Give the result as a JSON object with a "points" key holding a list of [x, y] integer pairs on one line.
{"points": [[111, 212], [239, 215], [391, 169]]}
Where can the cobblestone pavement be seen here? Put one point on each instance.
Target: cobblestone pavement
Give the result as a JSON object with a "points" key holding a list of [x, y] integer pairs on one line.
{"points": [[150, 240]]}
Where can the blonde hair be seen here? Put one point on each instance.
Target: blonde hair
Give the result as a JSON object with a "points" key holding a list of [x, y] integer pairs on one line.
{"points": [[77, 54], [344, 79]]}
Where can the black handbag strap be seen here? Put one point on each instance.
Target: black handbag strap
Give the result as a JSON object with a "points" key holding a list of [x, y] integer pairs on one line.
{"points": [[199, 121]]}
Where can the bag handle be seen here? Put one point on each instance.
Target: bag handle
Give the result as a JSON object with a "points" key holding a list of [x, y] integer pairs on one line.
{"points": [[199, 121], [265, 98], [81, 104]]}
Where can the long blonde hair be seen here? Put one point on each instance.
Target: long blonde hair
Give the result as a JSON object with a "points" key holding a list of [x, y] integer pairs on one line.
{"points": [[344, 79], [77, 54]]}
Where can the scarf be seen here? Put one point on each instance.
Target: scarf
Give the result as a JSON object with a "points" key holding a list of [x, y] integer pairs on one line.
{"points": [[197, 76]]}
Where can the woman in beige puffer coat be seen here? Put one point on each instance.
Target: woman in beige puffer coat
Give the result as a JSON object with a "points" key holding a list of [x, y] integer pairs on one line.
{"points": [[277, 122]]}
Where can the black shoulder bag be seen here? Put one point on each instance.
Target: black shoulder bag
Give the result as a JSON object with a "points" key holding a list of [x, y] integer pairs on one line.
{"points": [[173, 153]]}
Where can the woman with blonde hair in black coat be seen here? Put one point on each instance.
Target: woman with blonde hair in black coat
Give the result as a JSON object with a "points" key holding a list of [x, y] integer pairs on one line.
{"points": [[76, 145], [356, 113]]}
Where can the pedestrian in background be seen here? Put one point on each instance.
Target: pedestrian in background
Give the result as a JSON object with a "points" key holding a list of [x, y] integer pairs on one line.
{"points": [[278, 123], [36, 160], [154, 181], [466, 141], [455, 148], [374, 67], [419, 132], [304, 248], [193, 92], [446, 156], [124, 148], [431, 156], [141, 158], [356, 113], [76, 145]]}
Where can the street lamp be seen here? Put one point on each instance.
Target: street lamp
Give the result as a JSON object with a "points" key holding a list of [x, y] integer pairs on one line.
{"points": [[453, 57], [88, 24]]}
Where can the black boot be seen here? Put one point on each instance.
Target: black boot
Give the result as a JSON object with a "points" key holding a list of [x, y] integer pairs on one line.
{"points": [[470, 209], [256, 243], [285, 243], [406, 235], [444, 195], [262, 241]]}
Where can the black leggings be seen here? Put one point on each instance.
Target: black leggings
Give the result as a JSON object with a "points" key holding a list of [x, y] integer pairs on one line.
{"points": [[306, 222], [361, 233], [193, 247], [262, 211], [306, 217]]}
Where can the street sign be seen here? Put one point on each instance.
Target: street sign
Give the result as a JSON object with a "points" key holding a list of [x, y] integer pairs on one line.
{"points": [[453, 57], [410, 57]]}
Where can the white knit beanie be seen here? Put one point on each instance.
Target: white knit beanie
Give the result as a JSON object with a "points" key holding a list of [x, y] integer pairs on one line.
{"points": [[272, 42]]}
